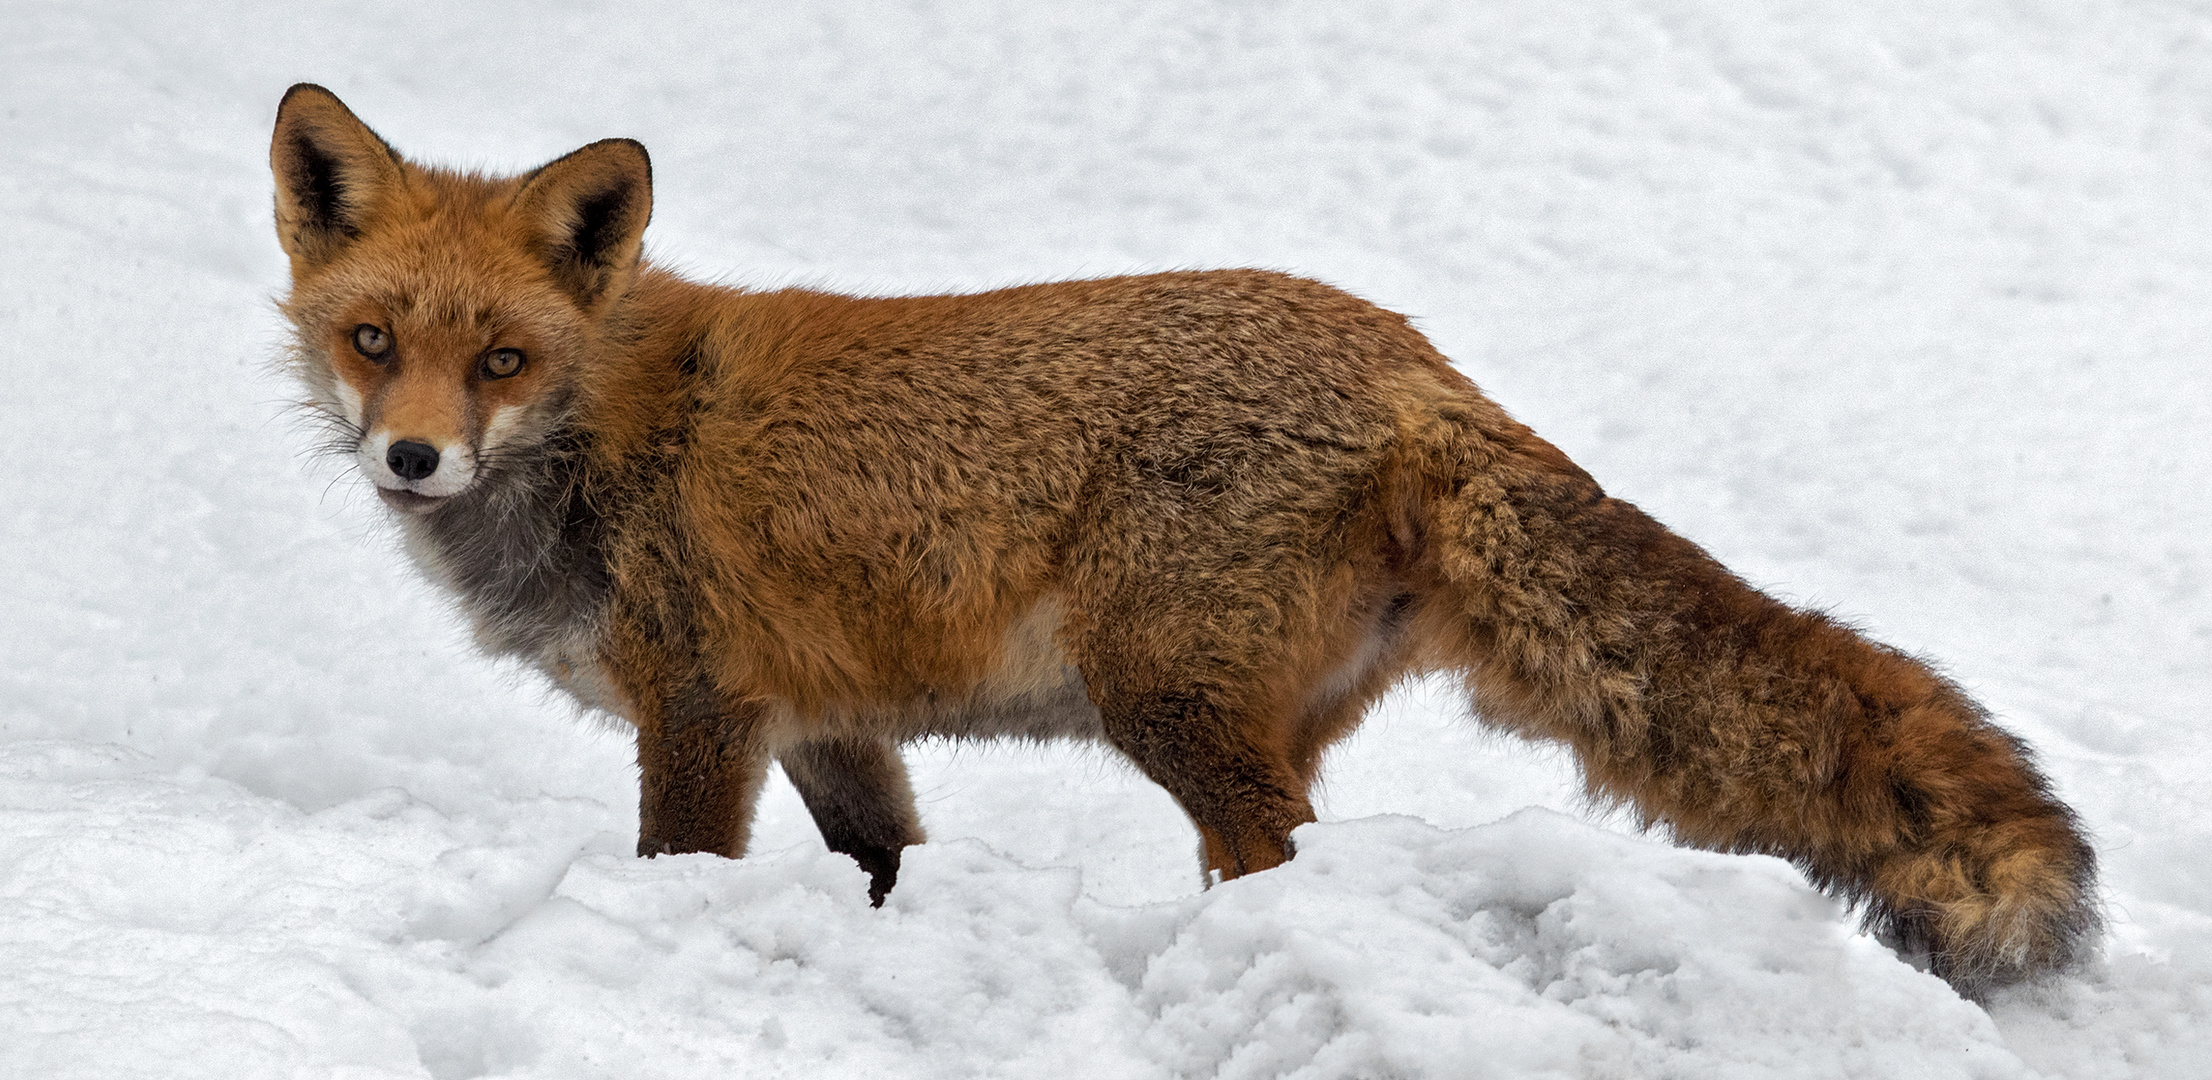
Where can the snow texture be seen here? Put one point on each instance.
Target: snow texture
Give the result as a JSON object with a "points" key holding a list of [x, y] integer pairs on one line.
{"points": [[1900, 308]]}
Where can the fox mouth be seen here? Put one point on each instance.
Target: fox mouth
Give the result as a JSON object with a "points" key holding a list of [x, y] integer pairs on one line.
{"points": [[410, 502]]}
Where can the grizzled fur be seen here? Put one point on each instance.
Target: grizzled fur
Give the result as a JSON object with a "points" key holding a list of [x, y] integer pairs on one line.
{"points": [[1208, 518], [524, 547]]}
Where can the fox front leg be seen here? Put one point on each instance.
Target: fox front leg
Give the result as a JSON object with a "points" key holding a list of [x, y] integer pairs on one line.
{"points": [[860, 798], [701, 766]]}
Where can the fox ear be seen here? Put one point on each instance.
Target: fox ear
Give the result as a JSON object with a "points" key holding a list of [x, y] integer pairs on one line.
{"points": [[590, 208], [332, 173]]}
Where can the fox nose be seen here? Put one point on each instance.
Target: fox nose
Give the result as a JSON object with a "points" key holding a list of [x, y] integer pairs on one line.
{"points": [[411, 460]]}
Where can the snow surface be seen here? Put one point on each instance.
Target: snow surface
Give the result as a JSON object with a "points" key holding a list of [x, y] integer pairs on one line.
{"points": [[1898, 307]]}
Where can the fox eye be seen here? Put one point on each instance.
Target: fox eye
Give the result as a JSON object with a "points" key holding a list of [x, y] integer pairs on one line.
{"points": [[372, 341], [502, 363]]}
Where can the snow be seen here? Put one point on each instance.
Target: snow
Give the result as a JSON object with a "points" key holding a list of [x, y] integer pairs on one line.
{"points": [[1899, 308]]}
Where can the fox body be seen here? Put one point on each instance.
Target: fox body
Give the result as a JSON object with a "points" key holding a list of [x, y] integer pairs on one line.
{"points": [[1207, 518]]}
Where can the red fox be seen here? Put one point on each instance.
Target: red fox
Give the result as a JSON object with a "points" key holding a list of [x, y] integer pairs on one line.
{"points": [[1206, 517]]}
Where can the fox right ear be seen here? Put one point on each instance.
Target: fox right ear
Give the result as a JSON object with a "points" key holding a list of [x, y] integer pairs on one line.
{"points": [[332, 172], [590, 208]]}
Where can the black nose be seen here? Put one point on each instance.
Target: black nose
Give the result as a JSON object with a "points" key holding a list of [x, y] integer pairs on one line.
{"points": [[412, 460]]}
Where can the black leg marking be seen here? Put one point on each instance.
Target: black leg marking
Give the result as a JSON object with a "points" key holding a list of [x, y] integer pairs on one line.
{"points": [[858, 793]]}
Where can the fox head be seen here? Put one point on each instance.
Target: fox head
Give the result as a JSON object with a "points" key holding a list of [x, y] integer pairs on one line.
{"points": [[441, 318]]}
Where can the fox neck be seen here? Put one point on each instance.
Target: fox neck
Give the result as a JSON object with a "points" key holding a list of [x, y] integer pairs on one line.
{"points": [[525, 549], [522, 549]]}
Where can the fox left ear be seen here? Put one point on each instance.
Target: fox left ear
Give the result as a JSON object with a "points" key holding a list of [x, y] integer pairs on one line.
{"points": [[333, 175], [591, 208]]}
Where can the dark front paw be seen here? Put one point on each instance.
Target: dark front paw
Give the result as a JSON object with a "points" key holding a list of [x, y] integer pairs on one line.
{"points": [[882, 865], [649, 846]]}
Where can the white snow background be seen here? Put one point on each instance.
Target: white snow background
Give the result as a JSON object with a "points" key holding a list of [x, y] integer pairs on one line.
{"points": [[1901, 308]]}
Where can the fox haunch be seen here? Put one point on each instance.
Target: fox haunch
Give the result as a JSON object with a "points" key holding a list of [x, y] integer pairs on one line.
{"points": [[1208, 518]]}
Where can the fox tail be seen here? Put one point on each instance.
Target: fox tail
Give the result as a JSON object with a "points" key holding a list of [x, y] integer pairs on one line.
{"points": [[1735, 721]]}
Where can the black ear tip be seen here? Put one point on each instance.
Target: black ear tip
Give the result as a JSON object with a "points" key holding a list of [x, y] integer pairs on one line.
{"points": [[305, 88], [630, 145]]}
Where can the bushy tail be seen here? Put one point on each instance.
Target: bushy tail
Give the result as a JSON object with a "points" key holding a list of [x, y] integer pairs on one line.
{"points": [[1739, 723]]}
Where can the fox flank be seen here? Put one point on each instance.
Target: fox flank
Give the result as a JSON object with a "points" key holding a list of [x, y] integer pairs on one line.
{"points": [[1208, 518]]}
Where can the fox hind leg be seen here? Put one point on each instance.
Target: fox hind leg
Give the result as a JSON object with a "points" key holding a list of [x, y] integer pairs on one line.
{"points": [[1245, 797], [1211, 686]]}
